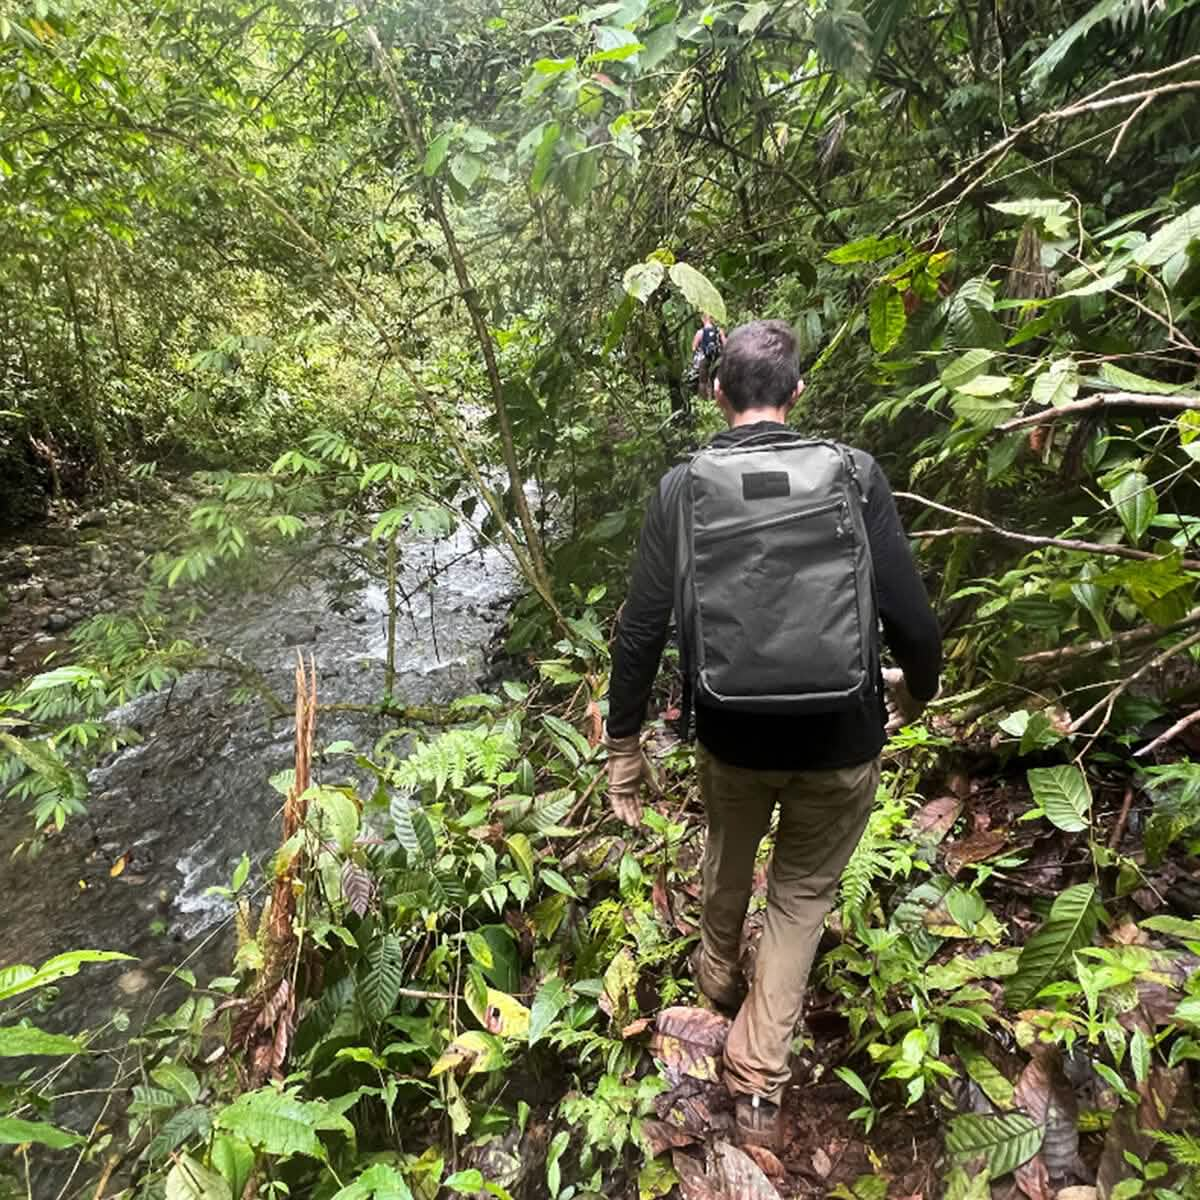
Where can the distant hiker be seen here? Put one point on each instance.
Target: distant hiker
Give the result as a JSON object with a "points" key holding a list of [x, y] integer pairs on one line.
{"points": [[706, 349], [780, 557]]}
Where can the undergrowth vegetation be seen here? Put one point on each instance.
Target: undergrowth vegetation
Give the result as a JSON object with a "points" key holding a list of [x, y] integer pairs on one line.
{"points": [[385, 275]]}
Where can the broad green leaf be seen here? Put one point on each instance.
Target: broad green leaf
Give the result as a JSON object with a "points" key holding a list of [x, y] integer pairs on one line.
{"points": [[1131, 381], [378, 1182], [479, 1052], [698, 290], [435, 153], [553, 879], [887, 318], [552, 997], [479, 949], [190, 1180], [17, 1132], [1038, 209], [983, 412], [381, 976], [1105, 283], [643, 278], [984, 385], [466, 169], [1139, 1055], [866, 250], [470, 1181], [1063, 794], [965, 367], [20, 977], [986, 1074], [337, 815], [1172, 237], [234, 1158], [543, 159], [1136, 503], [1047, 955], [522, 853], [753, 17], [18, 1040], [177, 1078], [280, 1123], [1058, 384], [1005, 1142]]}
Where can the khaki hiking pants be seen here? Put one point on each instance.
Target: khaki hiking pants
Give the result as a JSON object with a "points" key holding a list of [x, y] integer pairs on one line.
{"points": [[822, 815]]}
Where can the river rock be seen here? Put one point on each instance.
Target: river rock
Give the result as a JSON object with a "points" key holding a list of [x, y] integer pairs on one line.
{"points": [[34, 593], [56, 589], [134, 981], [90, 520], [56, 622]]}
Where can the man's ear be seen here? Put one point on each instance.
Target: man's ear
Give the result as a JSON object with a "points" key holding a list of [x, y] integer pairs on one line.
{"points": [[794, 397], [722, 401]]}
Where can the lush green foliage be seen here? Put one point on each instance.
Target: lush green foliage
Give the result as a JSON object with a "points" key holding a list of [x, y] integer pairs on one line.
{"points": [[408, 270]]}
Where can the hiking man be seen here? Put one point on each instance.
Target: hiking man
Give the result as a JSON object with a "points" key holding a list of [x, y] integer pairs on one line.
{"points": [[706, 349], [780, 557]]}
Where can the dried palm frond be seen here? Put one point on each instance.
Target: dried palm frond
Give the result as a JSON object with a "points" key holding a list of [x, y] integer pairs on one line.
{"points": [[264, 1027], [1028, 278]]}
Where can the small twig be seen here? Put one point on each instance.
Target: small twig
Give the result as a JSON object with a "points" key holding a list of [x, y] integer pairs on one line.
{"points": [[1119, 828], [1175, 730], [1125, 124]]}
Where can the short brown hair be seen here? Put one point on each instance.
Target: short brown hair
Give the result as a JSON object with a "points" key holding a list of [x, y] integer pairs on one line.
{"points": [[760, 365]]}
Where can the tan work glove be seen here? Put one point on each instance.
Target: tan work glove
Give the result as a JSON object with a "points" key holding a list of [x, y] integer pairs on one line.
{"points": [[627, 767], [903, 707]]}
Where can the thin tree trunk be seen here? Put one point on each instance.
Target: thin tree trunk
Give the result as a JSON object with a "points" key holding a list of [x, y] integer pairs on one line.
{"points": [[474, 308], [103, 457]]}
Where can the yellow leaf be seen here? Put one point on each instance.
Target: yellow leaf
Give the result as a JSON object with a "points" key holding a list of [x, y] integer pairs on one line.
{"points": [[119, 866], [476, 1050], [505, 1016]]}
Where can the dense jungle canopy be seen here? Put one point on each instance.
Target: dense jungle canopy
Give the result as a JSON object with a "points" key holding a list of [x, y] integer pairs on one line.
{"points": [[314, 275]]}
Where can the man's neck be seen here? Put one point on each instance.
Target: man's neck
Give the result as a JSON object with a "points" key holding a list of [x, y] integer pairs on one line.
{"points": [[752, 416]]}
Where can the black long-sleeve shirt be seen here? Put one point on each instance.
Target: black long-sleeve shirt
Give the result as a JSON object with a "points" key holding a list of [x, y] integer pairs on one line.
{"points": [[770, 741]]}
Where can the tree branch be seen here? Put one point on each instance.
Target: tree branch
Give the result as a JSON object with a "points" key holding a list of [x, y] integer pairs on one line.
{"points": [[1116, 400], [1122, 687], [980, 525]]}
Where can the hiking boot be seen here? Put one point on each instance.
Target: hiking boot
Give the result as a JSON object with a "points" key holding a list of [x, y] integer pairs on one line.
{"points": [[758, 1122], [726, 992]]}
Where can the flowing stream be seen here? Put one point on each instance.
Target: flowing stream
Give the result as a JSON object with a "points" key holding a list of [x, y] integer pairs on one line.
{"points": [[179, 808]]}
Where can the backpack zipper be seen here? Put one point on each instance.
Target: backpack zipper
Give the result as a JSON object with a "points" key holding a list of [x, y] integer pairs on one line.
{"points": [[816, 510]]}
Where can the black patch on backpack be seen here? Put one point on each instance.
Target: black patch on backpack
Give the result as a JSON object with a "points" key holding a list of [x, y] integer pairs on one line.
{"points": [[765, 485]]}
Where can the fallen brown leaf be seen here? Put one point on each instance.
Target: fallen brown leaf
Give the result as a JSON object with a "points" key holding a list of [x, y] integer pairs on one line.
{"points": [[821, 1162], [973, 849], [661, 1136], [1034, 1179], [934, 820], [729, 1174]]}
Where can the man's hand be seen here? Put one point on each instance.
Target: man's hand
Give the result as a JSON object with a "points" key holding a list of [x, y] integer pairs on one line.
{"points": [[904, 708], [627, 766]]}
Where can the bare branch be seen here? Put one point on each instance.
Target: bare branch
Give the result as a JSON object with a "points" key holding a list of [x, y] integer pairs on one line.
{"points": [[1118, 400], [1175, 730], [956, 189], [1127, 637], [981, 525], [1122, 687]]}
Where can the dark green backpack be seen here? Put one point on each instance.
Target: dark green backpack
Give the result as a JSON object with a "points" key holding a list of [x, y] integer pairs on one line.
{"points": [[775, 595]]}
